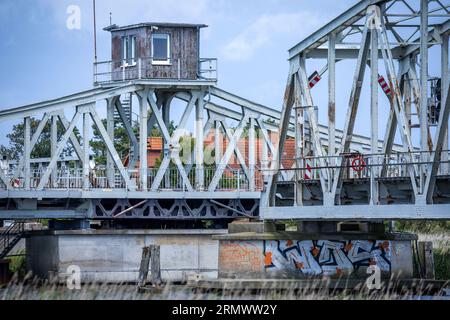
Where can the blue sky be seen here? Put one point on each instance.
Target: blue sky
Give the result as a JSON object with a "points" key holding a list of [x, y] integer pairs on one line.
{"points": [[42, 59]]}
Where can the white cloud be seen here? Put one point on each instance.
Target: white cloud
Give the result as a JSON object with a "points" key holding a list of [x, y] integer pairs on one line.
{"points": [[266, 28]]}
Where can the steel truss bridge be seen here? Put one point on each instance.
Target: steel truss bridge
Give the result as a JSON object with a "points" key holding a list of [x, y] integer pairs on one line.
{"points": [[376, 35], [392, 181]]}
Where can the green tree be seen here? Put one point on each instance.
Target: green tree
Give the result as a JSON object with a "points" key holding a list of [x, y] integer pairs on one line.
{"points": [[122, 142], [157, 133], [42, 149]]}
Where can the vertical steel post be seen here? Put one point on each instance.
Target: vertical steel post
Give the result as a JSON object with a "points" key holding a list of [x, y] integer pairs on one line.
{"points": [[54, 146], [284, 127], [165, 107], [251, 154], [27, 152], [407, 100], [374, 199], [110, 129], [444, 88], [331, 104], [143, 135], [352, 108], [199, 155], [299, 143], [265, 155], [423, 118], [86, 168], [313, 124], [217, 143]]}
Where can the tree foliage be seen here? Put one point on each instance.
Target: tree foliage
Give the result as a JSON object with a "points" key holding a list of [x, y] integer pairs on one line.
{"points": [[42, 149], [14, 149], [122, 142]]}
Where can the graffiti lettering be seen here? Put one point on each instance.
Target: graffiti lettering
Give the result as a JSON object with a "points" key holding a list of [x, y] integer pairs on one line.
{"points": [[326, 257]]}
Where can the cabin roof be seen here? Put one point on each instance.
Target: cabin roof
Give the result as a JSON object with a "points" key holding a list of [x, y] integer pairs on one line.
{"points": [[115, 27]]}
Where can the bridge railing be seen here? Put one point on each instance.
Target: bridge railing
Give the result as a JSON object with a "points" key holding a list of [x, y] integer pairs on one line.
{"points": [[72, 179], [149, 68], [363, 166]]}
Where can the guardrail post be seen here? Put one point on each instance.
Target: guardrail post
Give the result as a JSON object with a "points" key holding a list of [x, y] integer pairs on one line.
{"points": [[239, 180], [27, 153]]}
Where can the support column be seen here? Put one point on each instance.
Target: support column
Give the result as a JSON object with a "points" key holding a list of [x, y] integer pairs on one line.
{"points": [[265, 158], [199, 156], [27, 153], [331, 105], [251, 154], [423, 118], [299, 144], [407, 100], [54, 146], [374, 198], [110, 171], [143, 136], [217, 143], [86, 168], [165, 108], [444, 88]]}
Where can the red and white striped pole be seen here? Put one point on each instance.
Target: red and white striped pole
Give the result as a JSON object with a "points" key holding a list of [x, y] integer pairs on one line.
{"points": [[308, 172], [314, 79], [387, 90]]}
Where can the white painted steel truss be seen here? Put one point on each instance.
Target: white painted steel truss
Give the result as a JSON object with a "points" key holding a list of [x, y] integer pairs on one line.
{"points": [[68, 180], [51, 188], [397, 33]]}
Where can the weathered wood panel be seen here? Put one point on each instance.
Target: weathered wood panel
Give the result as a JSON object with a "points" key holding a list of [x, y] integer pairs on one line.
{"points": [[184, 53]]}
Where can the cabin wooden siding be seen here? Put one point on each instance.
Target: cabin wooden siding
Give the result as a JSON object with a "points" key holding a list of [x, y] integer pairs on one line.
{"points": [[184, 46]]}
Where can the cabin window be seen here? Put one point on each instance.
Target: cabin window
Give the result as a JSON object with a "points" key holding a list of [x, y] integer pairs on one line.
{"points": [[129, 51], [161, 48]]}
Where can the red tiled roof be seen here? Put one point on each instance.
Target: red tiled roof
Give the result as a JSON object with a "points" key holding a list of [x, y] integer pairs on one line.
{"points": [[155, 146]]}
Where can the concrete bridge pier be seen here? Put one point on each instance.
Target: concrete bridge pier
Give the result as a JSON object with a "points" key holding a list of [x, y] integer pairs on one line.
{"points": [[315, 250], [247, 250]]}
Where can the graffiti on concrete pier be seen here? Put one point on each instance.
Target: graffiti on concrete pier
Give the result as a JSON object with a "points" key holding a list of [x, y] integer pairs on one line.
{"points": [[326, 257]]}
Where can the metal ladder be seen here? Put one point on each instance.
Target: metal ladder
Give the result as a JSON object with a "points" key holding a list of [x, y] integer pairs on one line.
{"points": [[10, 237]]}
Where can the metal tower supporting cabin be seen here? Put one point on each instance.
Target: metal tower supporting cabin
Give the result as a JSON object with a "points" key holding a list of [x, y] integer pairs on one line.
{"points": [[390, 40]]}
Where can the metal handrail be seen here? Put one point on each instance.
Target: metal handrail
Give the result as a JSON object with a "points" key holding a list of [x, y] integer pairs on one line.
{"points": [[122, 70], [13, 232], [393, 154]]}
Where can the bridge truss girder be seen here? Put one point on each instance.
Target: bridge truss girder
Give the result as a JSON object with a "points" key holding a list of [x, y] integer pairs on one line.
{"points": [[384, 35], [212, 109]]}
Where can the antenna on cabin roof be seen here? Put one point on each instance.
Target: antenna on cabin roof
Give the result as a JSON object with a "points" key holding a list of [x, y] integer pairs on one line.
{"points": [[95, 32], [110, 18]]}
